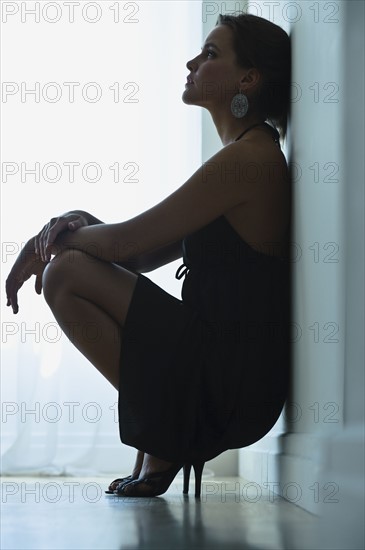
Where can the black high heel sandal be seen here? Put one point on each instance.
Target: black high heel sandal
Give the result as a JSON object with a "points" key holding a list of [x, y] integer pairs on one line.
{"points": [[159, 482], [121, 480], [129, 478]]}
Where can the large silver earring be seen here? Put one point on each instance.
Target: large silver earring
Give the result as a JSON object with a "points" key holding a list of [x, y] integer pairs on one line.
{"points": [[239, 105]]}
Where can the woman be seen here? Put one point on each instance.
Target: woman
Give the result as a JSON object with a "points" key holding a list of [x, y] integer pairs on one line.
{"points": [[209, 372]]}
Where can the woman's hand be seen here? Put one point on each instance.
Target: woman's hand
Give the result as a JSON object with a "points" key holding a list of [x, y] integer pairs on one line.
{"points": [[36, 254], [47, 236], [27, 264]]}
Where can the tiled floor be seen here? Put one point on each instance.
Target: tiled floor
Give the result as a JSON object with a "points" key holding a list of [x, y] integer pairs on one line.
{"points": [[68, 513]]}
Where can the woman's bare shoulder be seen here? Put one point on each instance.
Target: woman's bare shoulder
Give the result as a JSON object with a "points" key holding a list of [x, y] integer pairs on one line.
{"points": [[264, 218], [218, 185]]}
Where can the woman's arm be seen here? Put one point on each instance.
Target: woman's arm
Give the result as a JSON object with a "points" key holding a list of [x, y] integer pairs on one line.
{"points": [[145, 262], [210, 192], [159, 257], [133, 264], [29, 261]]}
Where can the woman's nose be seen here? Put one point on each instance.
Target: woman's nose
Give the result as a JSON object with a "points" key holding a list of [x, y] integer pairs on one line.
{"points": [[191, 63]]}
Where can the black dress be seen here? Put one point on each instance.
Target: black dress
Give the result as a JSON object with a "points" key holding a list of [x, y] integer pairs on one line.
{"points": [[209, 372]]}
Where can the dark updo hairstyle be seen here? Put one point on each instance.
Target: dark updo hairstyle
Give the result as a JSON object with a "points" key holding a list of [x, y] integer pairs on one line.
{"points": [[262, 44]]}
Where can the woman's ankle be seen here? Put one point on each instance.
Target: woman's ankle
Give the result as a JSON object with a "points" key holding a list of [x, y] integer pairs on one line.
{"points": [[153, 464]]}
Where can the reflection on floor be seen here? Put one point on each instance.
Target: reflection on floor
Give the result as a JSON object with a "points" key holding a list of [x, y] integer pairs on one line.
{"points": [[67, 513]]}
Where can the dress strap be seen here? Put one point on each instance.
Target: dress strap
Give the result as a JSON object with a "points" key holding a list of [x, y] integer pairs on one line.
{"points": [[276, 135], [179, 275], [249, 128]]}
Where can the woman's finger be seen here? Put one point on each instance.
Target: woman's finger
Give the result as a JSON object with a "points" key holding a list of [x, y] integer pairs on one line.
{"points": [[46, 237], [42, 237], [60, 225], [15, 306], [37, 241], [38, 284], [13, 300]]}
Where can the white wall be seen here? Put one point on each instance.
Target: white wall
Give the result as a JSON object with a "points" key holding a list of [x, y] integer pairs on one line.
{"points": [[156, 132], [342, 456], [321, 454], [318, 233]]}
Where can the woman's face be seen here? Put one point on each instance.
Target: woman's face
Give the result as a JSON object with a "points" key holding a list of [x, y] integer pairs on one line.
{"points": [[215, 74]]}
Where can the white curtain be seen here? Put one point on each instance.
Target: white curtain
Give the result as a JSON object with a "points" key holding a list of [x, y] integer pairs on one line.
{"points": [[92, 120]]}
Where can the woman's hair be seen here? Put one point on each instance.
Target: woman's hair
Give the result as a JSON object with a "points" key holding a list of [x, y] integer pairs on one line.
{"points": [[259, 43]]}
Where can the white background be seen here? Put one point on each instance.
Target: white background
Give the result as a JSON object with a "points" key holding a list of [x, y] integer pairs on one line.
{"points": [[159, 133]]}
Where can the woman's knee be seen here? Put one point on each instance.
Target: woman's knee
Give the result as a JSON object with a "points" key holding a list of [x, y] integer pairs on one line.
{"points": [[60, 272]]}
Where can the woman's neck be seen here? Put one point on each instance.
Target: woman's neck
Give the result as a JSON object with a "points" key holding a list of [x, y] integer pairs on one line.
{"points": [[229, 128]]}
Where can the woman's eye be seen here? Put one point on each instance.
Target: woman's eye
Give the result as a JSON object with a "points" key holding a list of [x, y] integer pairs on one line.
{"points": [[209, 52]]}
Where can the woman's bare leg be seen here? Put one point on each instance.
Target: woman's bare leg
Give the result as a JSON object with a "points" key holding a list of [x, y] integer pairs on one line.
{"points": [[90, 299]]}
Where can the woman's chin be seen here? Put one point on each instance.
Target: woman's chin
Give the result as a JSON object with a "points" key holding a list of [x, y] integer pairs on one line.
{"points": [[187, 98]]}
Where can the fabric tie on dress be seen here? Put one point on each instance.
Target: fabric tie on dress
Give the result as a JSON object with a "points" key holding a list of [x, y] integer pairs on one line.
{"points": [[184, 272]]}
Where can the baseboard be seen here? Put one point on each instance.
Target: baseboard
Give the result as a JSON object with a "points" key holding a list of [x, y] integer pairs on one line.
{"points": [[342, 524], [287, 466], [323, 475]]}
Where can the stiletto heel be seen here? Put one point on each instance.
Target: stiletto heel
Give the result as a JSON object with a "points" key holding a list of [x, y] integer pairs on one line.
{"points": [[198, 471], [187, 468]]}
